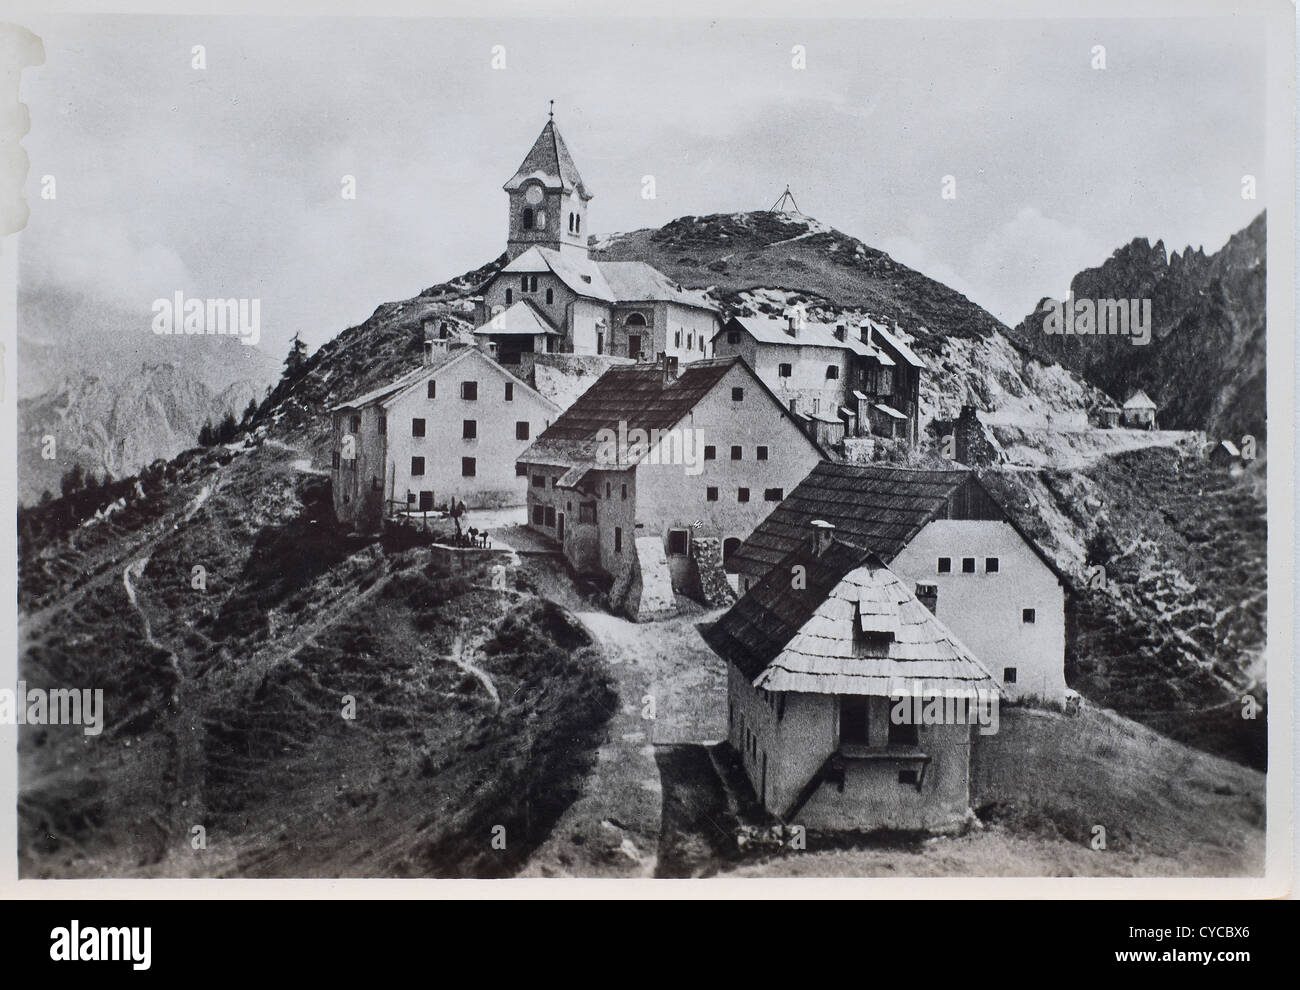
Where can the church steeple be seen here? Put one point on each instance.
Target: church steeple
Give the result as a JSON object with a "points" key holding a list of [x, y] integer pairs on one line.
{"points": [[548, 199]]}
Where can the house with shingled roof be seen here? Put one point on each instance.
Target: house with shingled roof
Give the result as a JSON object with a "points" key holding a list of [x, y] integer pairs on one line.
{"points": [[1139, 412], [943, 532], [851, 704], [657, 471], [621, 309]]}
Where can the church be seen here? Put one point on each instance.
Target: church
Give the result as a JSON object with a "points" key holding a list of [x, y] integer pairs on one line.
{"points": [[553, 298]]}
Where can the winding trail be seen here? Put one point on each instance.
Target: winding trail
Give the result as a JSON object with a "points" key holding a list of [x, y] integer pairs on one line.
{"points": [[458, 657]]}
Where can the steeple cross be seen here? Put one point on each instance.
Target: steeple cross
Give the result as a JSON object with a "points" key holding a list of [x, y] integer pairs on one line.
{"points": [[552, 109]]}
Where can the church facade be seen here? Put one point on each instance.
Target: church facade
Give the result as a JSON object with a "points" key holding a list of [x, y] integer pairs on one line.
{"points": [[553, 298]]}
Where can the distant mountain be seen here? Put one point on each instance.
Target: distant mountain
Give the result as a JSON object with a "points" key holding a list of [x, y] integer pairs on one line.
{"points": [[117, 426], [1205, 364]]}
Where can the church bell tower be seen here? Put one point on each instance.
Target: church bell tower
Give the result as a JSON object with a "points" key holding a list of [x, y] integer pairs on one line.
{"points": [[548, 200]]}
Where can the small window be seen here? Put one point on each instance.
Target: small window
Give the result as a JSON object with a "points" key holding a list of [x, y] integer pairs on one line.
{"points": [[469, 391], [733, 336], [677, 339], [550, 296], [907, 777], [736, 453], [624, 493], [521, 470], [1008, 675], [1028, 616], [550, 516], [528, 218], [469, 429], [710, 493], [773, 494], [587, 512], [737, 394], [762, 453], [382, 425], [417, 427], [785, 370], [334, 459], [539, 515], [990, 565], [742, 494], [945, 565], [678, 542], [618, 539], [710, 452], [832, 372], [521, 430], [609, 490], [417, 466], [431, 390], [468, 467], [539, 481], [356, 424], [968, 565], [510, 391], [509, 296]]}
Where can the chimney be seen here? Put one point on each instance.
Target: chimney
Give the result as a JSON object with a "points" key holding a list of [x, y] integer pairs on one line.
{"points": [[928, 595], [841, 331], [823, 533], [434, 348], [792, 324], [668, 362]]}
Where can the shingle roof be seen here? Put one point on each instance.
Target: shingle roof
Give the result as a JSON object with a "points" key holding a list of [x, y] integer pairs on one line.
{"points": [[633, 395], [1139, 400], [550, 162], [806, 639], [873, 508]]}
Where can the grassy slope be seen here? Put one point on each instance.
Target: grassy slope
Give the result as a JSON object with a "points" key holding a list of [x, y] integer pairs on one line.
{"points": [[1042, 783], [244, 733], [1176, 636]]}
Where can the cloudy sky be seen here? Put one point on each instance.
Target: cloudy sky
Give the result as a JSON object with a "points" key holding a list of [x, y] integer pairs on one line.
{"points": [[226, 181]]}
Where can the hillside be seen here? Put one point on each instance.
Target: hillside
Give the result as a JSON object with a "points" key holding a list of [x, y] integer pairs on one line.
{"points": [[117, 425], [1206, 362], [473, 706]]}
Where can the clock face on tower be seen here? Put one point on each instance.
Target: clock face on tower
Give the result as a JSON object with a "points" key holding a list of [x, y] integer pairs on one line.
{"points": [[533, 195]]}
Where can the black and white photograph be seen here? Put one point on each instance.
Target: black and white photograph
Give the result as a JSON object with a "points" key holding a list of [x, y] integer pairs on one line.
{"points": [[533, 445]]}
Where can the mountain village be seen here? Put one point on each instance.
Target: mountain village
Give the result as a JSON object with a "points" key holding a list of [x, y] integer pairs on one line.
{"points": [[767, 474]]}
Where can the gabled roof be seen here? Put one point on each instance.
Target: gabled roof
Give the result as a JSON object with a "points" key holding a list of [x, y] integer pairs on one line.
{"points": [[389, 393], [873, 508], [807, 640], [636, 281], [635, 397], [549, 162], [609, 281], [522, 317], [772, 330], [881, 509], [1139, 400], [894, 342], [582, 275]]}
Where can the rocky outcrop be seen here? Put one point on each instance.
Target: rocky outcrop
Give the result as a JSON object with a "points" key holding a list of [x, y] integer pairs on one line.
{"points": [[708, 579]]}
